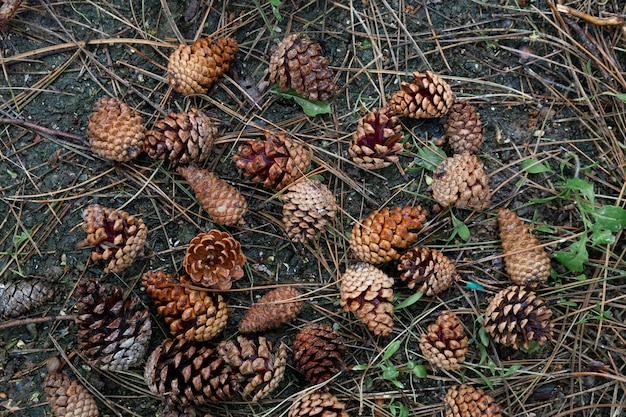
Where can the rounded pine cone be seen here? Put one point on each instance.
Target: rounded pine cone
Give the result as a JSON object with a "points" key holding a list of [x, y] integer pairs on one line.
{"points": [[427, 270], [192, 69], [367, 291], [20, 296], [463, 128], [318, 404], [68, 397], [115, 235], [466, 401], [445, 343], [461, 180], [375, 144], [380, 236], [308, 206], [516, 316], [273, 309], [428, 96], [318, 352]]}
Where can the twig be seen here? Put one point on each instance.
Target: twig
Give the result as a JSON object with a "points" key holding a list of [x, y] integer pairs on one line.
{"points": [[598, 21], [23, 322], [41, 129]]}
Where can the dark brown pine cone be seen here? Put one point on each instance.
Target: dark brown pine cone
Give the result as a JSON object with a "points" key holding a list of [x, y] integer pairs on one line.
{"points": [[427, 270], [375, 144], [67, 396], [20, 296], [273, 309], [466, 401], [318, 352], [428, 96], [318, 404], [461, 181], [445, 344], [463, 128], [308, 206]]}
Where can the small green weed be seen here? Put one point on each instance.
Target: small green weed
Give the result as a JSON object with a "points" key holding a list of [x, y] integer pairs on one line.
{"points": [[310, 108]]}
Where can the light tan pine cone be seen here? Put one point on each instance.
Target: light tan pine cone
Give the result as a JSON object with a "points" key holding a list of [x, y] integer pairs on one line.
{"points": [[467, 401], [461, 181], [18, 297], [427, 96], [463, 128], [308, 206], [375, 144], [67, 396], [318, 352], [318, 404], [273, 309], [445, 344], [427, 270]]}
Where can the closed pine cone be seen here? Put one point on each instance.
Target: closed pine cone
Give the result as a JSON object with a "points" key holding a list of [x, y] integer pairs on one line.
{"points": [[467, 401], [515, 317], [67, 396], [115, 132], [427, 270], [318, 404], [375, 144], [318, 352], [308, 206], [445, 344], [428, 96], [224, 203], [276, 161], [461, 180], [115, 235], [299, 64], [380, 236], [20, 296], [526, 261], [463, 128], [273, 309], [367, 291], [192, 69]]}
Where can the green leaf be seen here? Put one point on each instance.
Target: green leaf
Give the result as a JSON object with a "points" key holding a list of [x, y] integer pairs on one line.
{"points": [[420, 371], [575, 257], [581, 186], [398, 384], [275, 5], [429, 157], [367, 43], [310, 108], [601, 237], [390, 373], [460, 228], [484, 378], [359, 367], [610, 218], [621, 96], [484, 339], [391, 349], [533, 166], [409, 301], [514, 368]]}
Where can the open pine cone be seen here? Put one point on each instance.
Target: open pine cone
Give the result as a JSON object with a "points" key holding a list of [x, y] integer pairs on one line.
{"points": [[273, 309], [467, 401], [428, 96], [427, 270], [445, 344], [375, 144], [463, 128], [308, 206], [66, 395], [318, 352], [461, 180], [17, 297], [318, 404]]}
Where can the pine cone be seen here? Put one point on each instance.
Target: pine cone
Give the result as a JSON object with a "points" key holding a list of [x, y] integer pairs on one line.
{"points": [[224, 203], [20, 296], [517, 317], [115, 235], [375, 144], [378, 238], [526, 262], [461, 180], [192, 69], [308, 206], [428, 96], [67, 397], [427, 270], [273, 309], [445, 342], [318, 404], [276, 161], [466, 401], [115, 132], [318, 351], [194, 315], [181, 138], [299, 64], [368, 292], [463, 128]]}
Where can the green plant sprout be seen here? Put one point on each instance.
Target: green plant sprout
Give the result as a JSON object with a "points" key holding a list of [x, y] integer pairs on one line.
{"points": [[397, 408], [310, 108], [460, 229]]}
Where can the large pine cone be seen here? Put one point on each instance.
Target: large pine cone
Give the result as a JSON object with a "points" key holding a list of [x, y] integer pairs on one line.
{"points": [[367, 291], [526, 262], [68, 397], [115, 235], [308, 206], [273, 309], [461, 180], [375, 144], [224, 203], [427, 270], [299, 64], [466, 401], [445, 344], [194, 315], [318, 404], [318, 352], [380, 236], [20, 296], [463, 128], [192, 69], [516, 316], [428, 96], [276, 161]]}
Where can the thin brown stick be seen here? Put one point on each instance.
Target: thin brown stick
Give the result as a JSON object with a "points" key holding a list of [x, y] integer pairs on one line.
{"points": [[598, 21], [34, 320], [41, 129]]}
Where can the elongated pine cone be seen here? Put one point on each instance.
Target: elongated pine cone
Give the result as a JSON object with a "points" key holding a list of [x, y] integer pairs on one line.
{"points": [[515, 317], [427, 97], [526, 261], [224, 203], [194, 315], [367, 291], [375, 144], [461, 180], [113, 332], [379, 237], [299, 64], [445, 344], [115, 132], [467, 401], [68, 397], [318, 404], [308, 206], [319, 352], [20, 296], [192, 69], [427, 270], [273, 309], [463, 128], [276, 161], [116, 236]]}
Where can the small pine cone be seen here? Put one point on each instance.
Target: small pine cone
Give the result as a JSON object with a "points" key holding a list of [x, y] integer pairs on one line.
{"points": [[318, 404], [368, 292], [68, 397], [375, 144], [308, 206], [115, 132], [466, 401], [20, 296], [192, 69], [516, 316], [461, 180], [378, 238], [299, 64], [194, 315], [526, 262], [318, 352], [115, 235], [427, 97], [445, 343], [224, 203], [427, 270], [463, 128], [276, 161], [273, 309]]}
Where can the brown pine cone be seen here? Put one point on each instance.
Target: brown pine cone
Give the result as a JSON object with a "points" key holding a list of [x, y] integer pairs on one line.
{"points": [[308, 206], [299, 64], [224, 203], [192, 69], [375, 144], [463, 128], [273, 309], [276, 161], [526, 262], [461, 180], [445, 343], [318, 404], [67, 396], [380, 236], [428, 96], [115, 132], [367, 291], [194, 315], [20, 296], [181, 138], [427, 270], [115, 235], [318, 352], [466, 401], [516, 316]]}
